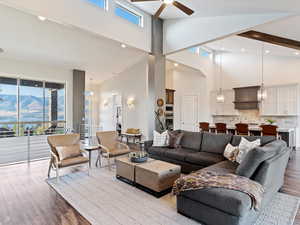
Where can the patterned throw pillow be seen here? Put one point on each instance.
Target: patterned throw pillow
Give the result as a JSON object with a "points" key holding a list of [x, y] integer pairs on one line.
{"points": [[245, 146], [160, 140], [65, 152], [231, 152], [174, 139]]}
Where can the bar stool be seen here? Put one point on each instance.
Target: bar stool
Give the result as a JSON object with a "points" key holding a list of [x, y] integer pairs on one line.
{"points": [[204, 126], [221, 128], [269, 130], [242, 129]]}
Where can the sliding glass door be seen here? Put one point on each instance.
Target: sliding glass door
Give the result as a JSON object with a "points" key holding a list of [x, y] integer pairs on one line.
{"points": [[29, 111]]}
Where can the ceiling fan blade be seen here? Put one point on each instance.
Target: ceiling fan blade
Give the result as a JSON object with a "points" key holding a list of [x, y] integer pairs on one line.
{"points": [[159, 11], [144, 0], [183, 8]]}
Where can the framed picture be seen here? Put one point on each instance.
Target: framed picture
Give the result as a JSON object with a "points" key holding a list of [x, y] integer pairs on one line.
{"points": [[160, 102]]}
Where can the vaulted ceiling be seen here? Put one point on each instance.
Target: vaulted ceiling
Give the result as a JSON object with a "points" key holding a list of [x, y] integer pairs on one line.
{"points": [[208, 8]]}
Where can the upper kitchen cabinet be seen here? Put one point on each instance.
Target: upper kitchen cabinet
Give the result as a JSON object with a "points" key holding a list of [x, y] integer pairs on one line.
{"points": [[225, 108], [281, 101]]}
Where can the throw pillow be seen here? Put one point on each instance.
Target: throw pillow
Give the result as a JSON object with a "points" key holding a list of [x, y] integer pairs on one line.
{"points": [[65, 152], [160, 140], [174, 139], [231, 152], [246, 146]]}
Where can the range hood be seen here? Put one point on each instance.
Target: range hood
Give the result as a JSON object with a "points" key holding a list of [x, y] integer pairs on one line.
{"points": [[246, 98]]}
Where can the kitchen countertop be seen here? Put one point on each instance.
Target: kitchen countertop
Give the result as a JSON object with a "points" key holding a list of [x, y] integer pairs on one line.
{"points": [[257, 128]]}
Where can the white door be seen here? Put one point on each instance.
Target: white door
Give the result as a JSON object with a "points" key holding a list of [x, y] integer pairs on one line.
{"points": [[189, 113]]}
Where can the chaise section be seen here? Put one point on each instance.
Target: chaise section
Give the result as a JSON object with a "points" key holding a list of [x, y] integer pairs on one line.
{"points": [[229, 201]]}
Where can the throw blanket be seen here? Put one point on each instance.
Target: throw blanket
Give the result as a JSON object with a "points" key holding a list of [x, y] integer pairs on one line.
{"points": [[209, 179]]}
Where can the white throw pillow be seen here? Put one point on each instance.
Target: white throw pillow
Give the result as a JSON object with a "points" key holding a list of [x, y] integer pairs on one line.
{"points": [[160, 140], [244, 147], [231, 152]]}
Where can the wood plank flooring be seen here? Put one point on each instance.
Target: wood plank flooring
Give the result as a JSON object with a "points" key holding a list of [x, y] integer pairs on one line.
{"points": [[26, 199]]}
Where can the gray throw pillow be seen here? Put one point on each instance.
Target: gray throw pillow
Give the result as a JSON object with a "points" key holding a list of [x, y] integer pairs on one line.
{"points": [[257, 156], [175, 139]]}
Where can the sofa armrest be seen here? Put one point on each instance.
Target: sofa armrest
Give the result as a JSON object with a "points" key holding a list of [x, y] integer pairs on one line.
{"points": [[148, 144]]}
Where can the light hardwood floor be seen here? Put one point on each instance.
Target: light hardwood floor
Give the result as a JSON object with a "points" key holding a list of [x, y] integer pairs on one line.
{"points": [[27, 199]]}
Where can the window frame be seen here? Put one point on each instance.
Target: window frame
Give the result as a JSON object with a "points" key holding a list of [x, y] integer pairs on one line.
{"points": [[131, 11]]}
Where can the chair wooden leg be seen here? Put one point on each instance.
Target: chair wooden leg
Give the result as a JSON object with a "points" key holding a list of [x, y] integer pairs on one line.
{"points": [[49, 169]]}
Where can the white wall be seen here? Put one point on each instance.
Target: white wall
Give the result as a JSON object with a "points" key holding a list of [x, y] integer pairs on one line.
{"points": [[242, 69], [187, 81], [131, 83], [41, 72], [81, 14]]}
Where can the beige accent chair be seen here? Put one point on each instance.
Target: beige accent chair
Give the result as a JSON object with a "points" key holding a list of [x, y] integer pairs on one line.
{"points": [[64, 140], [110, 146]]}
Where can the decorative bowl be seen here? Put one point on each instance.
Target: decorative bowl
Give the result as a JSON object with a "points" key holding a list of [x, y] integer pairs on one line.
{"points": [[138, 157]]}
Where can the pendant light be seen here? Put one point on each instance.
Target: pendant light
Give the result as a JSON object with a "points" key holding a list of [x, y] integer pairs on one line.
{"points": [[262, 92], [220, 94]]}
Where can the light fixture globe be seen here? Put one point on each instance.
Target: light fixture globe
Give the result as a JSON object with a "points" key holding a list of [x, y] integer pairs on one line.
{"points": [[220, 96], [168, 2]]}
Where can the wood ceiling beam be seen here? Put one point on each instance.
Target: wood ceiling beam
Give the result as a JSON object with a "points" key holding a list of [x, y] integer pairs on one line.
{"points": [[276, 40]]}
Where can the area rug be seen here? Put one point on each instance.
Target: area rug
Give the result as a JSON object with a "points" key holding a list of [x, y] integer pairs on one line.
{"points": [[104, 200]]}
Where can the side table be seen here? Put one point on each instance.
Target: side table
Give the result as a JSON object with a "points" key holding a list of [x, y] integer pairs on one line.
{"points": [[90, 149]]}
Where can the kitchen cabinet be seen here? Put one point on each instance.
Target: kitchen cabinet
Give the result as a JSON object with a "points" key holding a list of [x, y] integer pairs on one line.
{"points": [[281, 101], [225, 108]]}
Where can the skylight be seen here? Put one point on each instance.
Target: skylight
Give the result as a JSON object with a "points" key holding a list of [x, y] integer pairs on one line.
{"points": [[128, 14]]}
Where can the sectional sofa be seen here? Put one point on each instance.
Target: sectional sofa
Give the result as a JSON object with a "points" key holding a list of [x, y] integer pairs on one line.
{"points": [[217, 206]]}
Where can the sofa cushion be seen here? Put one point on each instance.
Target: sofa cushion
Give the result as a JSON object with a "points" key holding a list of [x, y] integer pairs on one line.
{"points": [[178, 154], [215, 143], [157, 150], [236, 139], [191, 140], [204, 158], [257, 156]]}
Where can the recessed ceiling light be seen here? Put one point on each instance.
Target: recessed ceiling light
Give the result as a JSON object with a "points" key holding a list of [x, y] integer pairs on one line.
{"points": [[42, 18], [1, 50], [176, 64], [123, 46], [267, 51], [296, 53], [243, 50]]}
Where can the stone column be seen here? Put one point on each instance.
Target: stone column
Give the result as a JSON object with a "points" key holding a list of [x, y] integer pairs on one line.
{"points": [[156, 74], [78, 100]]}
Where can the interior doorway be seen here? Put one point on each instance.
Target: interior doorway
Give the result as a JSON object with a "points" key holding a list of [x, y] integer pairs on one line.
{"points": [[189, 112]]}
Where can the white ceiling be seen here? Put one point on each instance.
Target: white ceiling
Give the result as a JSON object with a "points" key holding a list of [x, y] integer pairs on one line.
{"points": [[239, 44], [208, 8], [24, 37]]}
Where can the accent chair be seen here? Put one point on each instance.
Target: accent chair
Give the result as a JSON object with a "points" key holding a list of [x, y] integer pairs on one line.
{"points": [[110, 146], [65, 152]]}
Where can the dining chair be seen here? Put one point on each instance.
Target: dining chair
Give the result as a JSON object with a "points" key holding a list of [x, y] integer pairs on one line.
{"points": [[204, 126], [242, 129], [221, 128], [110, 146], [65, 152], [269, 130]]}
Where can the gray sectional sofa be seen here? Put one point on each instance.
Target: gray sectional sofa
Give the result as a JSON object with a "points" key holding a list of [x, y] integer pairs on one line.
{"points": [[217, 206]]}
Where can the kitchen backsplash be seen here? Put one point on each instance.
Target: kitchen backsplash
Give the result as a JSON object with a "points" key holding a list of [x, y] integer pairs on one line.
{"points": [[253, 117]]}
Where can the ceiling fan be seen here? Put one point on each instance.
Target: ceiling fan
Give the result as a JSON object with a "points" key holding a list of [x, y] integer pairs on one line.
{"points": [[165, 3]]}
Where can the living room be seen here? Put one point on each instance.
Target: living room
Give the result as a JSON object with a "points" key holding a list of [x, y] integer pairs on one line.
{"points": [[125, 112]]}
